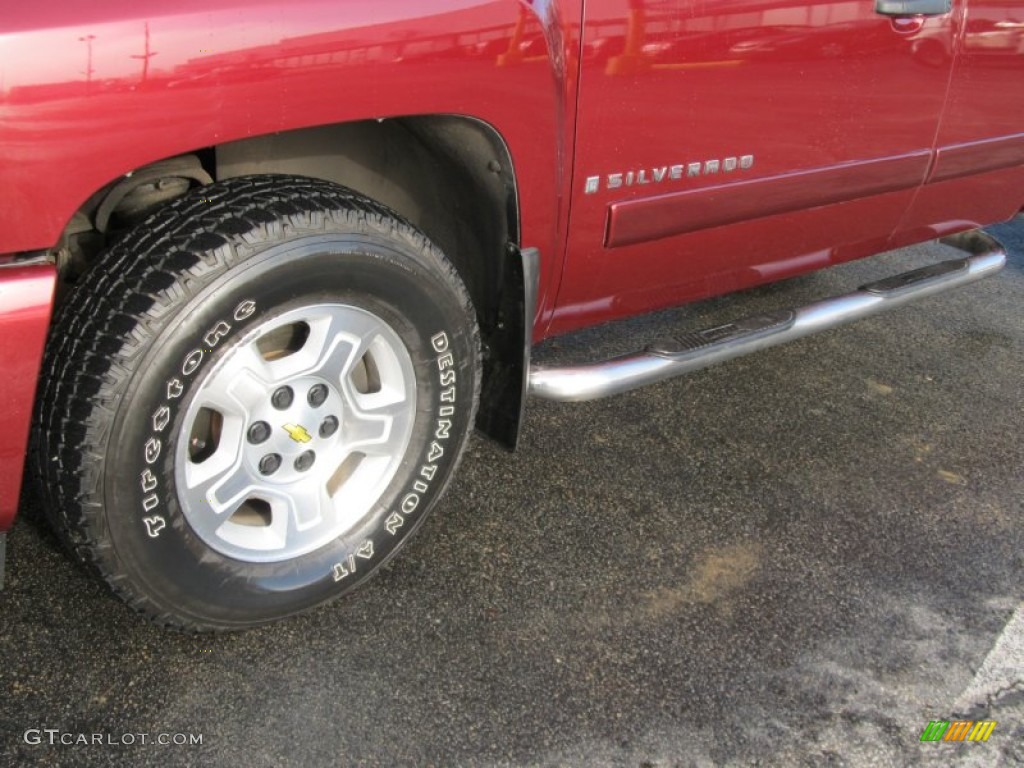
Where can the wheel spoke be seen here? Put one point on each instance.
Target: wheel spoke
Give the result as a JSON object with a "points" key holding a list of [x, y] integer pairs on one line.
{"points": [[217, 496], [230, 490], [305, 506], [242, 381], [339, 343], [248, 387], [374, 424]]}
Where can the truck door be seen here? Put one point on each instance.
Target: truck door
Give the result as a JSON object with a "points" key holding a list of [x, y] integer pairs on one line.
{"points": [[978, 174], [725, 143]]}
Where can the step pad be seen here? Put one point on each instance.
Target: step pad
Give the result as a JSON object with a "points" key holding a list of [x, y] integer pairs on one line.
{"points": [[916, 277], [747, 329]]}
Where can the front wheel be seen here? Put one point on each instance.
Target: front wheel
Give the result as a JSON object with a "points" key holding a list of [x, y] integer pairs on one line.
{"points": [[254, 399]]}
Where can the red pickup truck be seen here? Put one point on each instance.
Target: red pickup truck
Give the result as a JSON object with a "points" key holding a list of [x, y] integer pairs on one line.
{"points": [[265, 265]]}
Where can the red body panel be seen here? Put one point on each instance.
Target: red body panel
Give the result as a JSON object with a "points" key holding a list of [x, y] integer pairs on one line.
{"points": [[26, 294], [124, 83]]}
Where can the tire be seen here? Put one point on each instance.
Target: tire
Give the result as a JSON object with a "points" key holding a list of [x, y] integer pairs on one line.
{"points": [[228, 328]]}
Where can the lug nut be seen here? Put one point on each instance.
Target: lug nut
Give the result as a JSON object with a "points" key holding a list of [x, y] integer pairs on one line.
{"points": [[328, 426], [317, 395], [259, 432], [282, 398], [304, 461], [270, 463]]}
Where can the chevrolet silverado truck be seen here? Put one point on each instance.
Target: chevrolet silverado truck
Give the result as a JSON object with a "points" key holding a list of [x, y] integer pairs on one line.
{"points": [[264, 266]]}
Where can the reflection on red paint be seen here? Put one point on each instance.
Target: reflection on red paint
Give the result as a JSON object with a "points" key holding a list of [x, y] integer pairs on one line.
{"points": [[25, 296]]}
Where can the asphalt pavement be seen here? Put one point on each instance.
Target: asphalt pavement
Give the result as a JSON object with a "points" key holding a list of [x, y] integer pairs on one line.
{"points": [[801, 557]]}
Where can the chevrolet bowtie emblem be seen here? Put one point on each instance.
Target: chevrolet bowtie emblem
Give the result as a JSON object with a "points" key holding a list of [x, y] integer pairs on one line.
{"points": [[297, 433]]}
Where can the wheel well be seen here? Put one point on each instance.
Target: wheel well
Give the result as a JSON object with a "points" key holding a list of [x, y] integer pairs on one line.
{"points": [[450, 176]]}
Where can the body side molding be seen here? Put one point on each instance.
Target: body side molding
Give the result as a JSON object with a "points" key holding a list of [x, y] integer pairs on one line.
{"points": [[651, 218]]}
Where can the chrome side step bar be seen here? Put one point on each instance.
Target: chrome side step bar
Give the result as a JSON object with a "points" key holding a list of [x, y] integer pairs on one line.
{"points": [[984, 256]]}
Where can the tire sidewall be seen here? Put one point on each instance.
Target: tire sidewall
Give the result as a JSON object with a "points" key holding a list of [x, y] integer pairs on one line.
{"points": [[151, 536]]}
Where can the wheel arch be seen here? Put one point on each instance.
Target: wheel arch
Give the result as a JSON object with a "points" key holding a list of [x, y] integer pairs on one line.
{"points": [[450, 176]]}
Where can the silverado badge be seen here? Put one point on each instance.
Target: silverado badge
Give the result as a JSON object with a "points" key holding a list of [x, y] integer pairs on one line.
{"points": [[670, 172]]}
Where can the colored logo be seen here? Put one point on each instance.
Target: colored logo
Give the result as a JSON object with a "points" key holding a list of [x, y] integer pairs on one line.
{"points": [[958, 730], [297, 433]]}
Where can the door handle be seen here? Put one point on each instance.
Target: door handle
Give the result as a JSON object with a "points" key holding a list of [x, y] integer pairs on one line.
{"points": [[913, 7]]}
